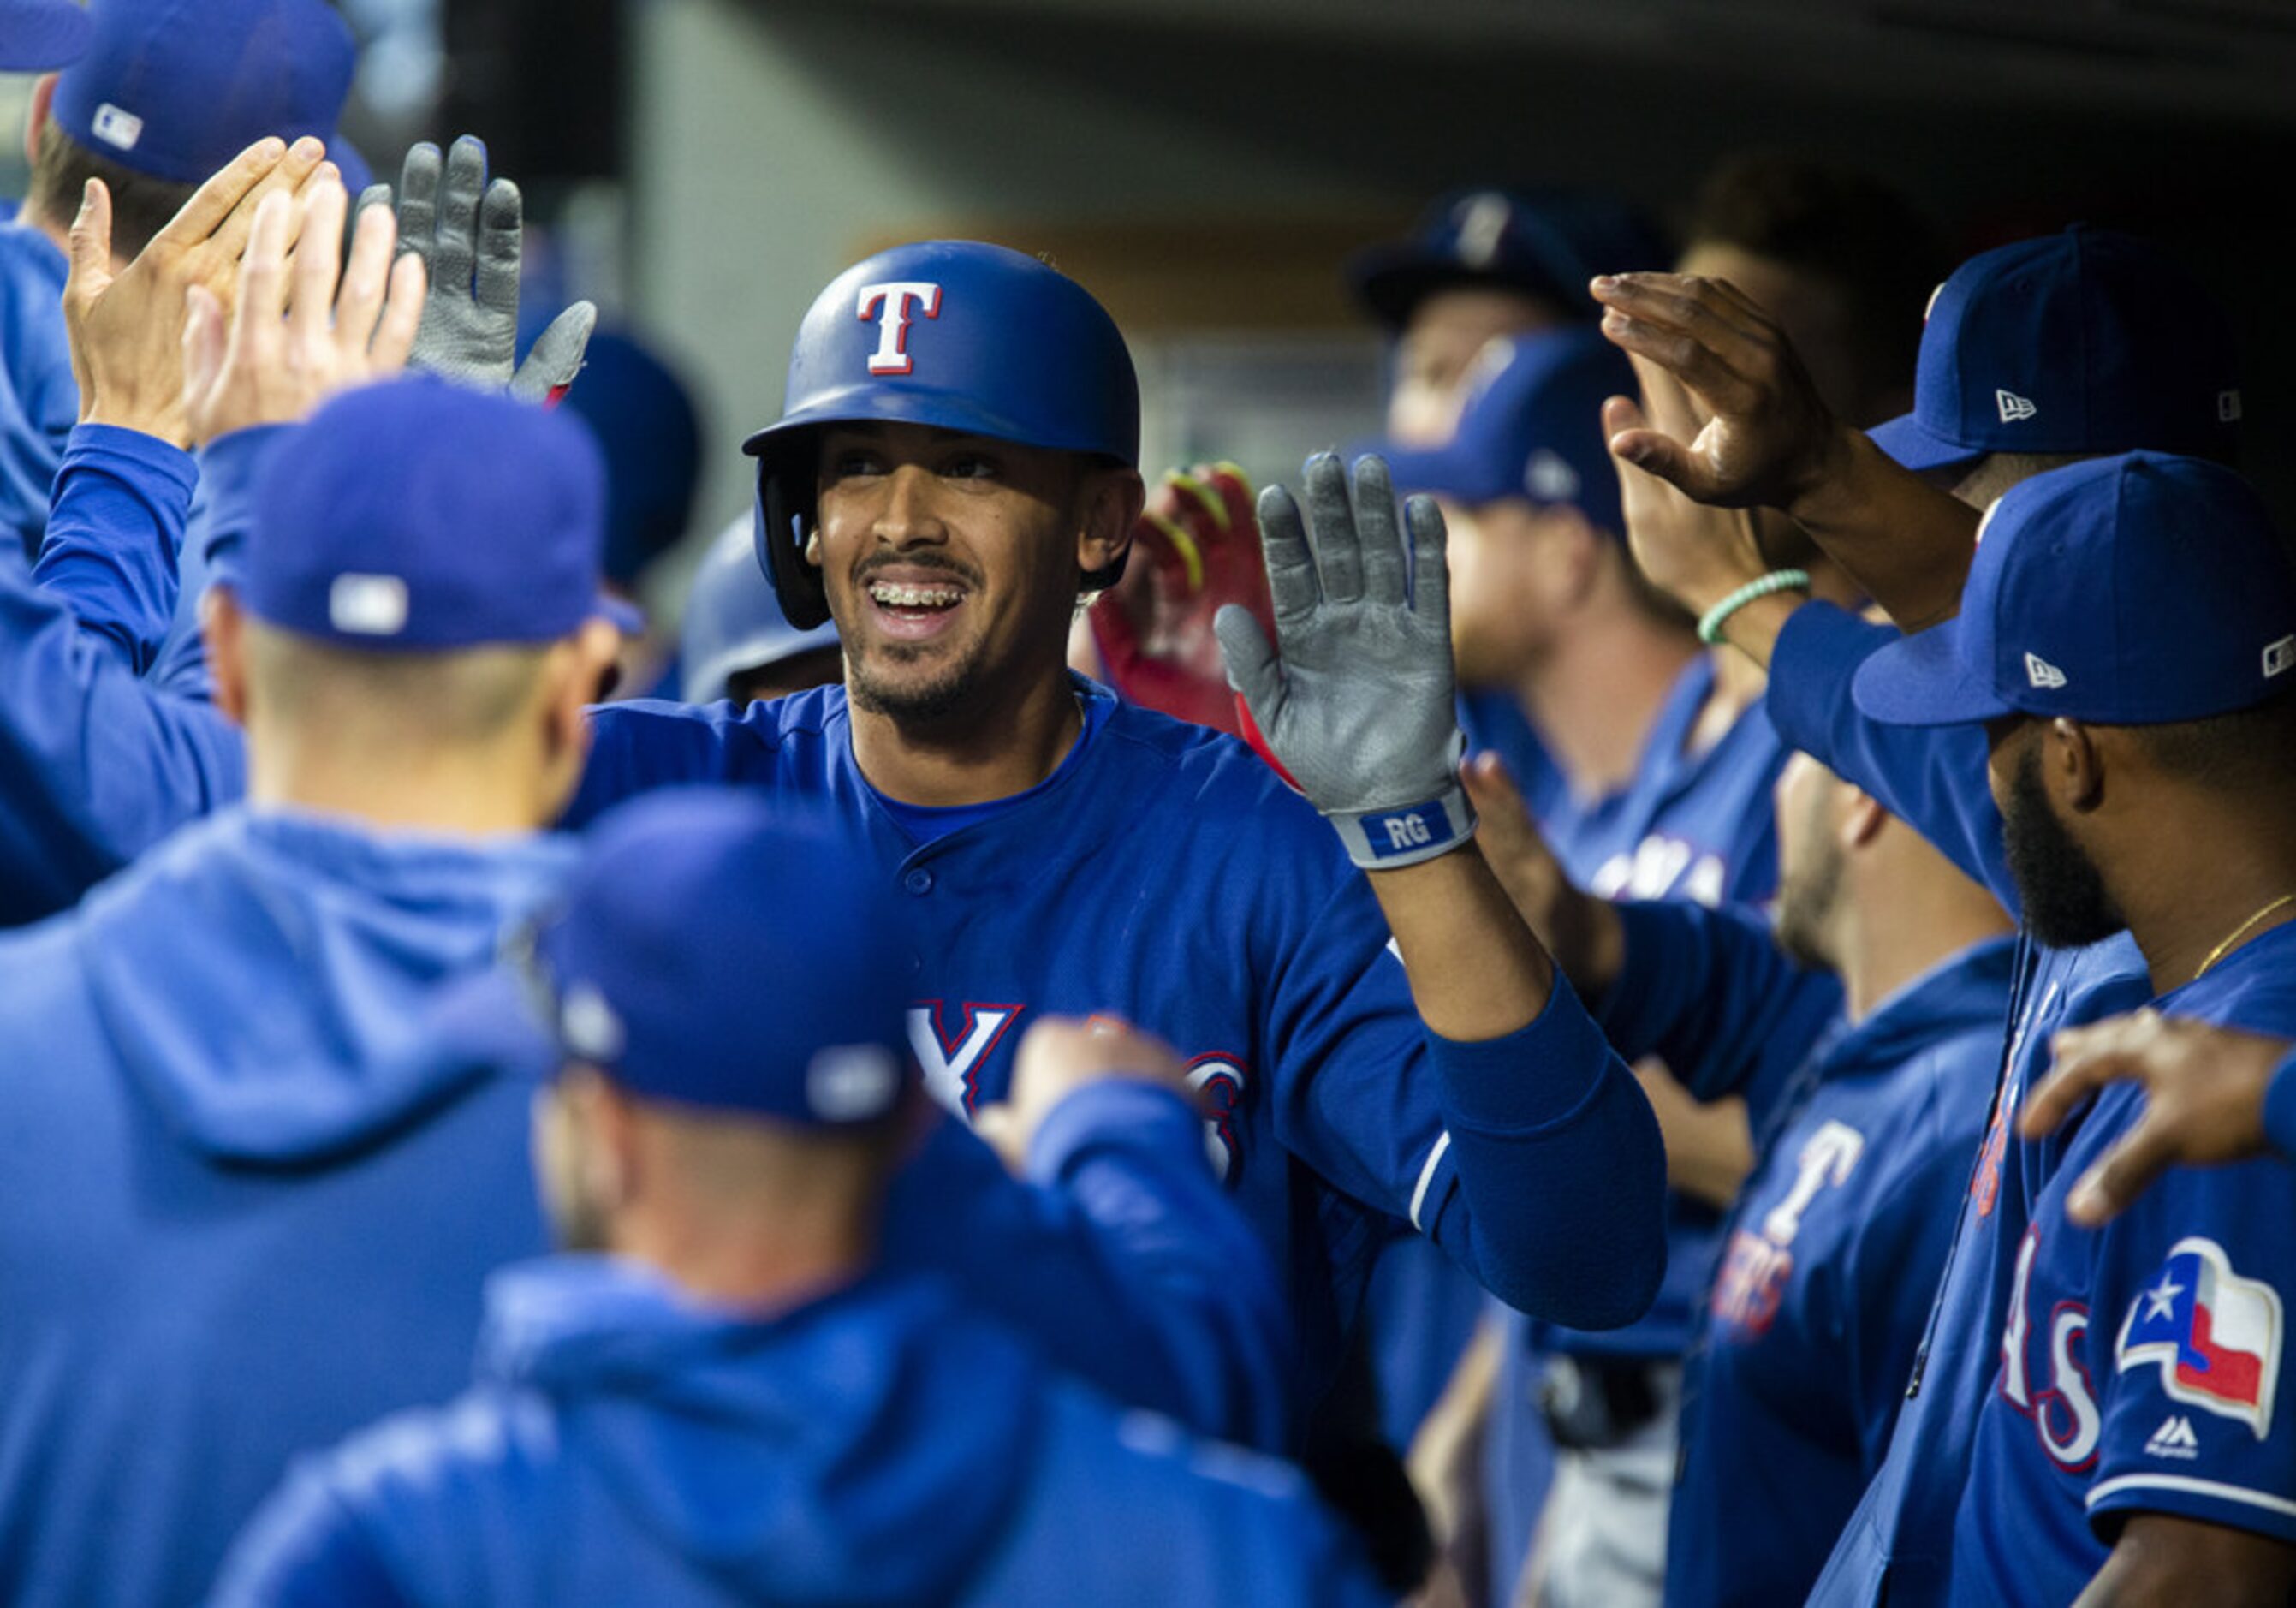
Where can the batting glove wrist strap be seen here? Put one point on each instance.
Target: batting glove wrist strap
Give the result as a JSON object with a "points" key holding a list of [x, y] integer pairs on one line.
{"points": [[1388, 840]]}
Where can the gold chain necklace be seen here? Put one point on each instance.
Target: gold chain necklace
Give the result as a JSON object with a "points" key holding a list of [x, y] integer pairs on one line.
{"points": [[2220, 952]]}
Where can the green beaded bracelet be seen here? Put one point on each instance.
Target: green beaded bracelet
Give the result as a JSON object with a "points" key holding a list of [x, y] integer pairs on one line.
{"points": [[1710, 623]]}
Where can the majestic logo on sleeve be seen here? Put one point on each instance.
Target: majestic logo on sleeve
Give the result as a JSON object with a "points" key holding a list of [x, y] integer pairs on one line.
{"points": [[2215, 1334], [895, 300]]}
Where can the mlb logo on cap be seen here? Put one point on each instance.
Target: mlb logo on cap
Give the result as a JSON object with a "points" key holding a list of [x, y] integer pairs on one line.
{"points": [[2125, 591], [115, 127]]}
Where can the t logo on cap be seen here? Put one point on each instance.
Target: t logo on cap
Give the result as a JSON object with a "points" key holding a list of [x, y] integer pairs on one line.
{"points": [[892, 354]]}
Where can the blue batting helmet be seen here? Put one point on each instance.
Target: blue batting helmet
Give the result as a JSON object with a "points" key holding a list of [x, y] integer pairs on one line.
{"points": [[951, 333]]}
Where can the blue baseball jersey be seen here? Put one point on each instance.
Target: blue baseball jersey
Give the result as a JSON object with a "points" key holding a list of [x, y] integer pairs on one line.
{"points": [[2143, 1365], [1163, 871], [1829, 1261], [97, 762], [1900, 1540], [39, 399], [1693, 823], [876, 1446]]}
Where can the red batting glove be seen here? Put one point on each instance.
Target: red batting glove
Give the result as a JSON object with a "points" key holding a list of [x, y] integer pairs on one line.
{"points": [[1200, 539]]}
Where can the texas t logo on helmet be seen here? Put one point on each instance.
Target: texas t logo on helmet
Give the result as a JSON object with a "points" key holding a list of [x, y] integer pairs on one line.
{"points": [[892, 354]]}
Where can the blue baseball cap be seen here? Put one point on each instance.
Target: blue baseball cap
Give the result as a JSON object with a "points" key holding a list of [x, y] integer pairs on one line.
{"points": [[644, 422], [40, 35], [1548, 242], [2124, 591], [2086, 342], [1532, 428], [727, 949], [422, 515], [176, 88], [733, 620]]}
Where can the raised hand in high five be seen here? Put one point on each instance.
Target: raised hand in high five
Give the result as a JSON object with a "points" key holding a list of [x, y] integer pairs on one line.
{"points": [[469, 232], [1355, 701], [304, 330], [127, 328]]}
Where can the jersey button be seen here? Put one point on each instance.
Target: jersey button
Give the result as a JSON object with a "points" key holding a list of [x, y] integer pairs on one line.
{"points": [[919, 882]]}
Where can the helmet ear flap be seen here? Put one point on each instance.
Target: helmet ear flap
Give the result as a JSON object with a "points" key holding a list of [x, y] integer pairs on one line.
{"points": [[780, 550]]}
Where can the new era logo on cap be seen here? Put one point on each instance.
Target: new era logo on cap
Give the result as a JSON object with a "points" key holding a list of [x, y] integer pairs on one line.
{"points": [[2041, 673], [2228, 407], [117, 127], [2278, 656], [2014, 408]]}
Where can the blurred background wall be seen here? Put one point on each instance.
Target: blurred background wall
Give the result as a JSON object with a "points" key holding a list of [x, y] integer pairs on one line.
{"points": [[702, 167]]}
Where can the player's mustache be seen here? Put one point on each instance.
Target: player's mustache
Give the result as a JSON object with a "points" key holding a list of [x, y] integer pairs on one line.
{"points": [[870, 567]]}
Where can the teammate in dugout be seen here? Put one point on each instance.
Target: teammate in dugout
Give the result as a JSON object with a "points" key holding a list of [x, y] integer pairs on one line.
{"points": [[412, 656], [724, 1391], [2154, 362], [1866, 1118], [956, 462]]}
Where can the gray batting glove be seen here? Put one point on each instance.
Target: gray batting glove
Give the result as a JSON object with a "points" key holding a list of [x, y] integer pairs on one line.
{"points": [[1361, 708], [469, 233]]}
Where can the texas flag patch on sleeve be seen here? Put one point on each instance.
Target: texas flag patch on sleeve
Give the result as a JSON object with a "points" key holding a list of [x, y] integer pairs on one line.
{"points": [[2214, 1335]]}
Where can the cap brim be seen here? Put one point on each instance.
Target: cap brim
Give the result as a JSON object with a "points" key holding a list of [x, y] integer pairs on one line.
{"points": [[43, 39], [1440, 471], [1916, 447], [625, 617], [1921, 680]]}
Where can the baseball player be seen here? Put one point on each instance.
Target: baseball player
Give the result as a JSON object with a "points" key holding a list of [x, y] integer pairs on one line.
{"points": [[1864, 1114], [734, 641], [109, 735], [1650, 765], [1485, 265], [2156, 367], [943, 487], [163, 93], [742, 1400], [256, 1194], [2129, 1445]]}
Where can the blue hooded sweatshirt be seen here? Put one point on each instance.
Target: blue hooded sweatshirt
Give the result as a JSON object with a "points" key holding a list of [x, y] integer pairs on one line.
{"points": [[246, 1213], [876, 1445], [263, 1152]]}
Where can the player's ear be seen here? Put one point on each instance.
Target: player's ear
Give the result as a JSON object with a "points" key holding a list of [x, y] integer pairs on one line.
{"points": [[1862, 820], [223, 629], [36, 115], [2073, 764], [1109, 505]]}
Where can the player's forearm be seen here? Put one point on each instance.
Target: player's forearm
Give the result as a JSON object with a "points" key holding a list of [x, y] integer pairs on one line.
{"points": [[1546, 1128], [114, 530], [1476, 971], [2162, 1561], [1906, 544]]}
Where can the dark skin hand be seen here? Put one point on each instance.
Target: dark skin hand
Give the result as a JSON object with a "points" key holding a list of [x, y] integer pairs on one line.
{"points": [[2161, 1559], [2204, 1090], [1769, 441]]}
